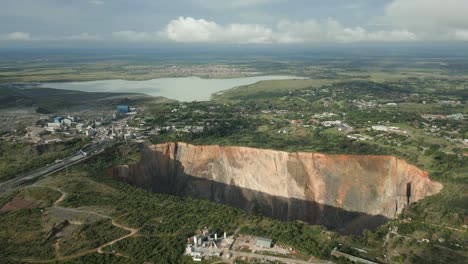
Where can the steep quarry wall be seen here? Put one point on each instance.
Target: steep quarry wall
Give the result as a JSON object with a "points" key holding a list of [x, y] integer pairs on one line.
{"points": [[345, 192]]}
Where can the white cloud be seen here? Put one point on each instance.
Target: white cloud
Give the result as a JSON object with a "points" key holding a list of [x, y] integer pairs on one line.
{"points": [[85, 36], [24, 36], [217, 4], [430, 19], [250, 2], [461, 34], [191, 30], [253, 21], [96, 2], [200, 30], [133, 36], [331, 30], [403, 20], [16, 36]]}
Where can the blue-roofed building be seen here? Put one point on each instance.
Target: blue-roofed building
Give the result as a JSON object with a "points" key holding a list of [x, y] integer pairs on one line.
{"points": [[58, 119], [123, 109]]}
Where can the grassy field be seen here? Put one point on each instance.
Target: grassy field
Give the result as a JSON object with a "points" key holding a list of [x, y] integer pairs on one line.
{"points": [[70, 68], [263, 88]]}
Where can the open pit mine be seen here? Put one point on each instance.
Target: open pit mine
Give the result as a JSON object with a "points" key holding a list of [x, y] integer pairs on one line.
{"points": [[346, 193]]}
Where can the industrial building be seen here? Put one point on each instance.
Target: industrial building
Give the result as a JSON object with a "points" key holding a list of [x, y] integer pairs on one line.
{"points": [[80, 127], [206, 245], [58, 119], [264, 242], [67, 122], [123, 109], [51, 127]]}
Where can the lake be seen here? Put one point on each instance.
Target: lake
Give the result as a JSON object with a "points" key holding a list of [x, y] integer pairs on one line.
{"points": [[182, 89]]}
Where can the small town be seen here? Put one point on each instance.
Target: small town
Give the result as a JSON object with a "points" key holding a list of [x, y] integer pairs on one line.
{"points": [[211, 71], [130, 123]]}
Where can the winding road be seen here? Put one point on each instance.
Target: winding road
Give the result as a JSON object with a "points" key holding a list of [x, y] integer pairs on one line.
{"points": [[100, 249]]}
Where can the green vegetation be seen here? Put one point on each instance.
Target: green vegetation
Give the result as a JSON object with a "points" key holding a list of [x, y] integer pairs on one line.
{"points": [[263, 120], [61, 67], [23, 236], [43, 197], [284, 115], [268, 88], [164, 221], [312, 240], [89, 236], [17, 158]]}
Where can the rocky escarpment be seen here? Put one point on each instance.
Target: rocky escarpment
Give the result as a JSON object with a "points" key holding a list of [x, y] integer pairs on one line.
{"points": [[346, 192]]}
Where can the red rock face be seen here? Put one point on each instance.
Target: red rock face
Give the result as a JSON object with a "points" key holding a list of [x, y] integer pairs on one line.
{"points": [[305, 186]]}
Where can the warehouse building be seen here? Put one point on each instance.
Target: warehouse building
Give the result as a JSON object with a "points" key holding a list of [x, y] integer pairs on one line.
{"points": [[264, 242]]}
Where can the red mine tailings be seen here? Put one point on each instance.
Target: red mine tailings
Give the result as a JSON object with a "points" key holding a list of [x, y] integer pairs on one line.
{"points": [[338, 191], [18, 203]]}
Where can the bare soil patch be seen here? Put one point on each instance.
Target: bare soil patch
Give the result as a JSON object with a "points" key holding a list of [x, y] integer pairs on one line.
{"points": [[18, 203]]}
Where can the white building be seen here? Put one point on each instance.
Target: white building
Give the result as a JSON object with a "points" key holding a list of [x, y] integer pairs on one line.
{"points": [[67, 122], [323, 115], [80, 126], [52, 140], [331, 123], [90, 132], [388, 128], [54, 125], [128, 136], [197, 129], [380, 128]]}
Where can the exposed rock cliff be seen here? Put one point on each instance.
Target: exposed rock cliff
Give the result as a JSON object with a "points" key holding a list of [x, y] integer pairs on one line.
{"points": [[347, 192]]}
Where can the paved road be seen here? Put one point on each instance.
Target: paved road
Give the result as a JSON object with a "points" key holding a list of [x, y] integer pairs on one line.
{"points": [[53, 168], [272, 258]]}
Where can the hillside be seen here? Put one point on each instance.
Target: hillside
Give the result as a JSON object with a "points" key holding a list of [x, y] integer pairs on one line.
{"points": [[17, 95]]}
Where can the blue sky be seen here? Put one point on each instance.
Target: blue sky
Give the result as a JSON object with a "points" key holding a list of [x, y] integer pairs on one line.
{"points": [[232, 22]]}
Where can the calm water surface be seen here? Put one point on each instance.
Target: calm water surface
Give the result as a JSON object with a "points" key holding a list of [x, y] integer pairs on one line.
{"points": [[182, 89]]}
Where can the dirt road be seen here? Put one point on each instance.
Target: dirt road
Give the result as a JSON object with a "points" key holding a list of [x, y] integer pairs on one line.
{"points": [[59, 257]]}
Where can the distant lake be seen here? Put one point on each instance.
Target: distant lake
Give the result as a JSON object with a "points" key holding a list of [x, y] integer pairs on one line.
{"points": [[182, 89]]}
